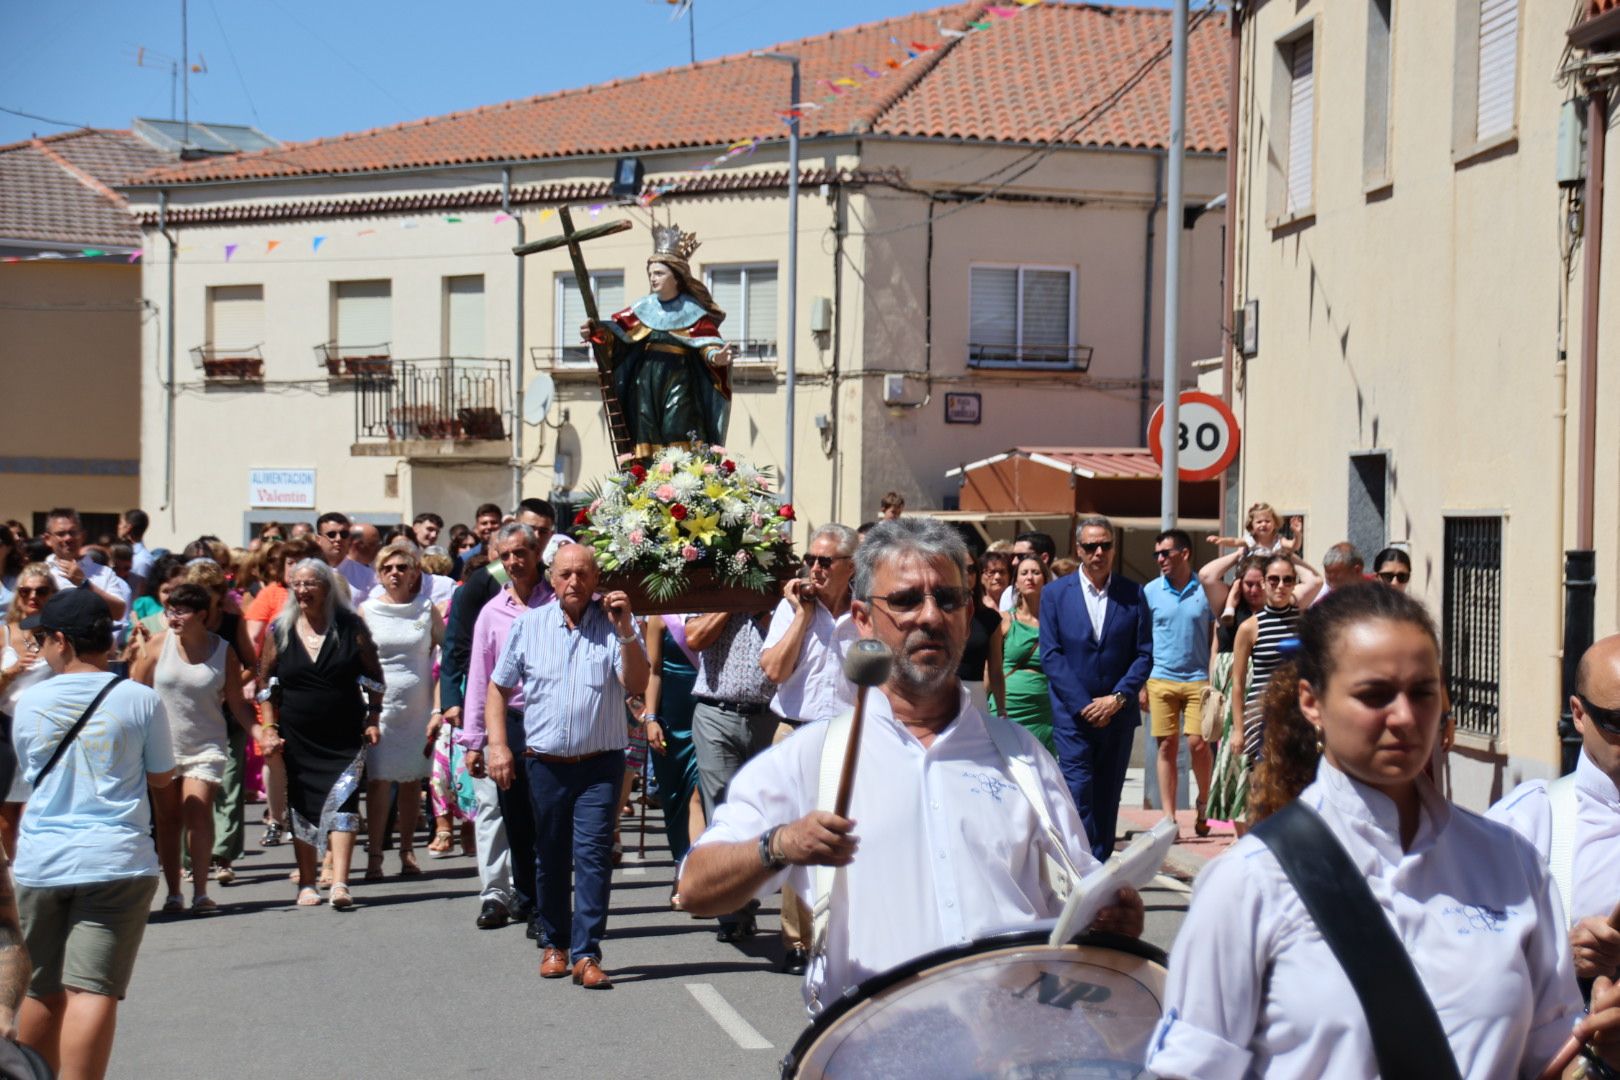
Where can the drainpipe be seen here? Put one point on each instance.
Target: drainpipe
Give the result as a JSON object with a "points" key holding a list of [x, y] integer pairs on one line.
{"points": [[1142, 403], [1234, 75], [168, 363], [1580, 562], [517, 346]]}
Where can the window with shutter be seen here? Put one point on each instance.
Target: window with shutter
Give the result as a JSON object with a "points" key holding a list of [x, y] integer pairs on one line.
{"points": [[1021, 316], [364, 317], [747, 294], [235, 317], [464, 316], [1498, 68], [608, 288], [1301, 124], [1375, 118]]}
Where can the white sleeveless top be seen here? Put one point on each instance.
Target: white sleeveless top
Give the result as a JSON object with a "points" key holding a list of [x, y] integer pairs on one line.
{"points": [[36, 673], [192, 696]]}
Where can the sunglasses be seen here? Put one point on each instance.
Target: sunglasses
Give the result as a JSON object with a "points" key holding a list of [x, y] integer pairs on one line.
{"points": [[1389, 577], [273, 538], [396, 568], [178, 613], [40, 637], [948, 599], [1273, 579], [1165, 553], [340, 535], [823, 561], [1100, 545], [33, 590], [1607, 719]]}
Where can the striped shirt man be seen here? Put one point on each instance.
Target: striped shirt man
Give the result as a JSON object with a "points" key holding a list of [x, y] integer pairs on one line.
{"points": [[573, 691]]}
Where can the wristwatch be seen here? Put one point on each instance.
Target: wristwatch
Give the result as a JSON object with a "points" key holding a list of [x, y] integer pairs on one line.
{"points": [[767, 858], [1122, 697]]}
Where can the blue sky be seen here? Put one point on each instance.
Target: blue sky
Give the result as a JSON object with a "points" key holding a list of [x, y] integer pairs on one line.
{"points": [[300, 69]]}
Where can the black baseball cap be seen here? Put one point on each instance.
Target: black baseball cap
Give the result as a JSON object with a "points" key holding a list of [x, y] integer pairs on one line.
{"points": [[72, 611]]}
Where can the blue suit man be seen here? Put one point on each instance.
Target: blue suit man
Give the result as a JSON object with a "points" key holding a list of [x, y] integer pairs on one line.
{"points": [[1094, 678]]}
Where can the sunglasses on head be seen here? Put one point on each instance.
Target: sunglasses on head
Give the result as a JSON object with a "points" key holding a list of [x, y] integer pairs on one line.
{"points": [[1607, 719], [1100, 545], [1275, 579], [1389, 577], [823, 561], [948, 599]]}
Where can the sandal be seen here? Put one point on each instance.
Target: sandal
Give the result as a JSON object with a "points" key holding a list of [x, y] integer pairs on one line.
{"points": [[309, 896], [272, 835], [325, 878], [441, 845], [341, 900], [174, 905], [224, 874], [203, 905], [408, 866], [374, 869]]}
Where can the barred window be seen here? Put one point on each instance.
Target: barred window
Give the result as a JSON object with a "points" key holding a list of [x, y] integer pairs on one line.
{"points": [[1472, 628]]}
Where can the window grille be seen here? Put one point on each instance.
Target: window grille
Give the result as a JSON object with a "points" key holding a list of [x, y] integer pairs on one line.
{"points": [[1472, 628]]}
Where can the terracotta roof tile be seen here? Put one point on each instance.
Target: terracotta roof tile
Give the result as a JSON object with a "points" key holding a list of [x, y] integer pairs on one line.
{"points": [[59, 189], [1020, 81]]}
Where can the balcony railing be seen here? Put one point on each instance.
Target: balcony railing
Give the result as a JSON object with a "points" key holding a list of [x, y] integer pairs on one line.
{"points": [[229, 365], [1030, 357], [446, 398], [569, 358], [352, 361]]}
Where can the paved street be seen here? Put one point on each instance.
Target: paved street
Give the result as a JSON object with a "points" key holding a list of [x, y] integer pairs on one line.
{"points": [[405, 985]]}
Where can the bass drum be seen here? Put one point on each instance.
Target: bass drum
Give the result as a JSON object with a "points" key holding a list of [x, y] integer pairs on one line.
{"points": [[1009, 1006]]}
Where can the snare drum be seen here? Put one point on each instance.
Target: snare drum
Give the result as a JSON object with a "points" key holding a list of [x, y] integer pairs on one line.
{"points": [[1009, 1006]]}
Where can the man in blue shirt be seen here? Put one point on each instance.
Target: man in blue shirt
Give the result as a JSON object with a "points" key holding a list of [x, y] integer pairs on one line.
{"points": [[1182, 619], [575, 659]]}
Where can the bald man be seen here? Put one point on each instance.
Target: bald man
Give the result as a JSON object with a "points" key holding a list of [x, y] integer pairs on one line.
{"points": [[1591, 817]]}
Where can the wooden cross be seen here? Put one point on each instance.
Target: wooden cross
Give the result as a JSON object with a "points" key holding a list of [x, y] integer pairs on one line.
{"points": [[618, 428]]}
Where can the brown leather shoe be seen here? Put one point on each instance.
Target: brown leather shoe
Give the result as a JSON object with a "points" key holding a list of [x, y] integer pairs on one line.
{"points": [[589, 974], [554, 964]]}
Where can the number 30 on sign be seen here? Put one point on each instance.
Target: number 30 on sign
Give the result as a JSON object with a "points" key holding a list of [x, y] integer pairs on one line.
{"points": [[1209, 436]]}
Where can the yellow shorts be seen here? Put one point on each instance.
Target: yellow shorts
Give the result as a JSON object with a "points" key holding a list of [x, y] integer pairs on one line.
{"points": [[1168, 700]]}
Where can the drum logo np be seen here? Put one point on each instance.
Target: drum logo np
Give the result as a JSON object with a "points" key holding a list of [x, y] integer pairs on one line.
{"points": [[1061, 993]]}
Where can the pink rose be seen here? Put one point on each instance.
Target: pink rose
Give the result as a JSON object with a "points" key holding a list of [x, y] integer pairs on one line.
{"points": [[741, 558], [759, 519], [666, 469], [637, 536], [690, 553], [665, 492], [708, 470]]}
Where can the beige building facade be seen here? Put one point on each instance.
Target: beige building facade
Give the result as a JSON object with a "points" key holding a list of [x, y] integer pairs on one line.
{"points": [[352, 308], [1410, 252]]}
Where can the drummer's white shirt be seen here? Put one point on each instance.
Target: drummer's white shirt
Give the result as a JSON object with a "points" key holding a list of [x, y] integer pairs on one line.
{"points": [[1254, 991], [1595, 865], [947, 844]]}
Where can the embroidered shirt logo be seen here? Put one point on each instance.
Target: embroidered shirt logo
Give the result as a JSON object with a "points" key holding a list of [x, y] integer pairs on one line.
{"points": [[1478, 919], [986, 783]]}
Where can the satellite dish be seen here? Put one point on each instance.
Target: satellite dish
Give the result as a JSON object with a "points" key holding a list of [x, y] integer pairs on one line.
{"points": [[538, 397]]}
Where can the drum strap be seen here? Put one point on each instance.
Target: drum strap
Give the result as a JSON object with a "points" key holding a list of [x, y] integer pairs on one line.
{"points": [[1407, 1036], [1057, 869], [1561, 853]]}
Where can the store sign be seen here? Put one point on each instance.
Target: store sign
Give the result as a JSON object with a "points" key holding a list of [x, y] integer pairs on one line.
{"points": [[281, 489]]}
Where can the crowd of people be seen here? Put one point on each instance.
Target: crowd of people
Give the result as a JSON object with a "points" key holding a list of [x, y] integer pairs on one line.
{"points": [[478, 685]]}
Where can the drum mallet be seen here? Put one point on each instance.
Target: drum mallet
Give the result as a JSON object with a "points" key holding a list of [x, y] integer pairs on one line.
{"points": [[1572, 1046], [866, 664]]}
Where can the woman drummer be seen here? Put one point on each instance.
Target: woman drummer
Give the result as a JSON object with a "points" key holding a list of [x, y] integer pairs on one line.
{"points": [[1255, 991]]}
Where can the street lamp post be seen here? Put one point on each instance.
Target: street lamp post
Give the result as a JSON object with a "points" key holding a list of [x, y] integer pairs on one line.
{"points": [[791, 359], [1171, 431]]}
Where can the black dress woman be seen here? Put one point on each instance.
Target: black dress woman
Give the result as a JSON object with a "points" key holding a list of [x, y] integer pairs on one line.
{"points": [[326, 705]]}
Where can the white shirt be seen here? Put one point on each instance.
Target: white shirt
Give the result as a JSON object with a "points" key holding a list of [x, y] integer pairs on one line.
{"points": [[1595, 866], [100, 577], [1254, 991], [949, 848], [1009, 599], [360, 576], [817, 689], [1096, 601]]}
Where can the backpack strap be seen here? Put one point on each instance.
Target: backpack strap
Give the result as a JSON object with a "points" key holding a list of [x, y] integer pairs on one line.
{"points": [[1058, 870], [1408, 1039], [1561, 853]]}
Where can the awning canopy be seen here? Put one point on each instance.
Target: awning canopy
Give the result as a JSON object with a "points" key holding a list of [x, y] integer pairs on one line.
{"points": [[1121, 482]]}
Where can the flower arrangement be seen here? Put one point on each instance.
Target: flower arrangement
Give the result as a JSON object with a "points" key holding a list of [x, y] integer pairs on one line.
{"points": [[688, 508]]}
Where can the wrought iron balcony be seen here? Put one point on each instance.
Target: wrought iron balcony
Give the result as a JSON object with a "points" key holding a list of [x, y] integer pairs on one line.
{"points": [[443, 400], [577, 358], [353, 361], [229, 365], [1030, 357]]}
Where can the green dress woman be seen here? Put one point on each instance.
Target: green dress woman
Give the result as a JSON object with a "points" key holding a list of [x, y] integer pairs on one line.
{"points": [[1028, 702]]}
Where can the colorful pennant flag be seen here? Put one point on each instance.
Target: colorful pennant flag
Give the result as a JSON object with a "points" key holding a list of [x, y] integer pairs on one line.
{"points": [[271, 245], [230, 249], [315, 245]]}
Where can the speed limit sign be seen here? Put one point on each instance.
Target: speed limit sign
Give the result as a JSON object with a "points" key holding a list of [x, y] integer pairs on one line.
{"points": [[1209, 436]]}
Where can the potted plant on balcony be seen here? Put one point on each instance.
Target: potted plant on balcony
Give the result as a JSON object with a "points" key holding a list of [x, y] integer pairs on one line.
{"points": [[242, 368], [689, 530]]}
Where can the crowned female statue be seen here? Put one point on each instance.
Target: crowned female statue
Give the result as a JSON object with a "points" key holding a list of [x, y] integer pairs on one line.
{"points": [[671, 367]]}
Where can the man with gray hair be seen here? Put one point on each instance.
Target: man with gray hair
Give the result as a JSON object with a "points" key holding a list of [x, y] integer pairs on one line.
{"points": [[962, 814], [1341, 566], [803, 655]]}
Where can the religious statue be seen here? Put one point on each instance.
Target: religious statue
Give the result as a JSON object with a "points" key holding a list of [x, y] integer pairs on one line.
{"points": [[671, 369]]}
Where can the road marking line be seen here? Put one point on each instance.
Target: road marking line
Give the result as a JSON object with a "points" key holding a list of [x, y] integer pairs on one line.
{"points": [[1165, 881], [730, 1020], [633, 871]]}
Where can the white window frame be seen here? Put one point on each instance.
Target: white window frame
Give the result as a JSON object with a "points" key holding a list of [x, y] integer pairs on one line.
{"points": [[1467, 144], [1377, 127], [212, 327], [1278, 149], [730, 330], [1071, 363], [446, 318], [567, 337]]}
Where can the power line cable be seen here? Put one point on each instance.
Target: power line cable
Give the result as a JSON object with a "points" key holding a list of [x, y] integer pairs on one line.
{"points": [[44, 119], [252, 108]]}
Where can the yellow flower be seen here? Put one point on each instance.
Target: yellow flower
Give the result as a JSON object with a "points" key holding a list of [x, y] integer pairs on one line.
{"points": [[714, 490], [703, 528]]}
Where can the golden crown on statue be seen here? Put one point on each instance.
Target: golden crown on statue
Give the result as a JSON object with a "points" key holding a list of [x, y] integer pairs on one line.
{"points": [[670, 240]]}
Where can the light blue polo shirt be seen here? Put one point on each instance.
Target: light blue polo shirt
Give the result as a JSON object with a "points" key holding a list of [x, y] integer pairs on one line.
{"points": [[1181, 627]]}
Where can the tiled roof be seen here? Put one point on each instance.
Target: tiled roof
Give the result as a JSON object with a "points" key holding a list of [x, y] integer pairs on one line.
{"points": [[1091, 462], [60, 188], [1021, 81]]}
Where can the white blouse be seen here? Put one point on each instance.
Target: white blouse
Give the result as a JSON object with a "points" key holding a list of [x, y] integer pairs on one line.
{"points": [[1595, 860], [1255, 991]]}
